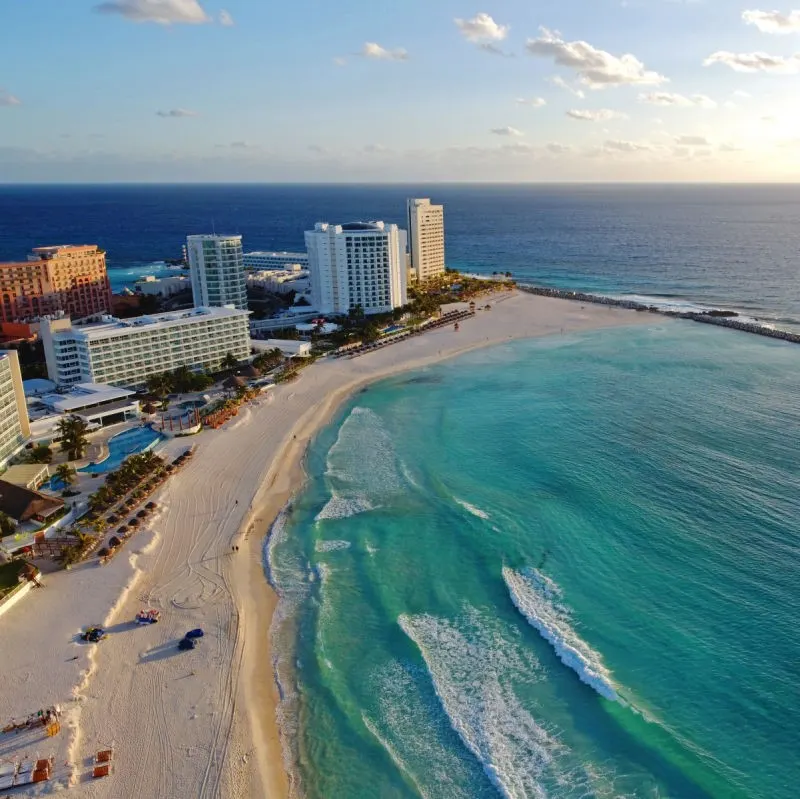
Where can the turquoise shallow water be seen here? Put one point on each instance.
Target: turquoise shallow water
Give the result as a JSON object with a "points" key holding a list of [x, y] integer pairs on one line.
{"points": [[566, 567]]}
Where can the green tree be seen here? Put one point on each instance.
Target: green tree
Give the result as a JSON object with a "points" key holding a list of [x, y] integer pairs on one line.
{"points": [[66, 474], [7, 526], [72, 432], [183, 380], [159, 384], [41, 454], [229, 362]]}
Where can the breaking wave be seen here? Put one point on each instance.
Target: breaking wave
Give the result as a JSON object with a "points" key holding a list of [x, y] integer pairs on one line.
{"points": [[538, 598], [331, 546], [362, 471], [481, 514], [474, 669]]}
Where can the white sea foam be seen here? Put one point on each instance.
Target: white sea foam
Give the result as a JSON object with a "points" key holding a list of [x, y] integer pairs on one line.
{"points": [[338, 507], [362, 470], [538, 598], [411, 727], [481, 514], [474, 669], [331, 546]]}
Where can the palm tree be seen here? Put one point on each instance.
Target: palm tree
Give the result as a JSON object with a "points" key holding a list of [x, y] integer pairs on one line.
{"points": [[159, 384], [183, 379], [66, 474], [72, 431], [229, 362], [7, 526]]}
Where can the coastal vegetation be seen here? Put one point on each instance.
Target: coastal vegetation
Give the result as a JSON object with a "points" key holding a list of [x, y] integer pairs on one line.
{"points": [[7, 526], [180, 381], [72, 433], [66, 474]]}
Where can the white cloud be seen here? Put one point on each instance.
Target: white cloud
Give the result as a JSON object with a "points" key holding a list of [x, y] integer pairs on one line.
{"points": [[534, 102], [340, 61], [518, 148], [679, 100], [225, 19], [163, 12], [7, 99], [756, 62], [773, 21], [375, 149], [506, 131], [556, 148], [562, 84], [601, 115], [482, 29], [176, 113], [623, 146], [729, 148], [692, 141], [597, 69], [742, 95], [373, 50]]}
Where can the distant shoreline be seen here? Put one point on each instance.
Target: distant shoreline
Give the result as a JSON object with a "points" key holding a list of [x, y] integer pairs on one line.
{"points": [[711, 317]]}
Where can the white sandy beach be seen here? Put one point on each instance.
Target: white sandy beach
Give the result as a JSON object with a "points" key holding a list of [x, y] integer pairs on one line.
{"points": [[202, 723]]}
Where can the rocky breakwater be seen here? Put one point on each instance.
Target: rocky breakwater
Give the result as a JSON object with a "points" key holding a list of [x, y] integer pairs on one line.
{"points": [[712, 317]]}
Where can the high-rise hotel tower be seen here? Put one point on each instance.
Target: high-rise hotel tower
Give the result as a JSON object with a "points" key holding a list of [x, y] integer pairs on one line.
{"points": [[426, 238]]}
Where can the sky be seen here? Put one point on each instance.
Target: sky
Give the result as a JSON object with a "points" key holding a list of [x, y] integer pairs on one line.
{"points": [[419, 90]]}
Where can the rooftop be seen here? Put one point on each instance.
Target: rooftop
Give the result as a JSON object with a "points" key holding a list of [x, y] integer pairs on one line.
{"points": [[85, 395], [213, 237], [22, 504], [112, 326], [362, 226]]}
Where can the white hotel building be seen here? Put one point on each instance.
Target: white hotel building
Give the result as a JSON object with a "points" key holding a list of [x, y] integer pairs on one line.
{"points": [[259, 261], [360, 263], [14, 426], [426, 237], [124, 352], [216, 265]]}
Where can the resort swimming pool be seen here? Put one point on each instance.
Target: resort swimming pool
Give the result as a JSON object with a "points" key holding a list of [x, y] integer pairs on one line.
{"points": [[121, 446]]}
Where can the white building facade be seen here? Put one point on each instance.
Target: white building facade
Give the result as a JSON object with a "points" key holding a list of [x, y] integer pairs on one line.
{"points": [[14, 426], [274, 260], [216, 265], [426, 238], [357, 264], [125, 352]]}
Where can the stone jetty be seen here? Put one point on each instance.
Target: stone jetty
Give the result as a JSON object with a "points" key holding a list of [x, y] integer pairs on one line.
{"points": [[712, 317]]}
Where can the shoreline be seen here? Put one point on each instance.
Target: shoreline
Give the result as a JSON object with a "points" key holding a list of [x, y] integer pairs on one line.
{"points": [[719, 318], [204, 723]]}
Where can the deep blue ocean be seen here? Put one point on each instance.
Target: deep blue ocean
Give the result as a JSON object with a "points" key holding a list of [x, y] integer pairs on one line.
{"points": [[733, 246], [565, 567]]}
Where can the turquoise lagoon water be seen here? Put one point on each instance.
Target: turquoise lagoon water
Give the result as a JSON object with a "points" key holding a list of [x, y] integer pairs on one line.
{"points": [[121, 446], [566, 567]]}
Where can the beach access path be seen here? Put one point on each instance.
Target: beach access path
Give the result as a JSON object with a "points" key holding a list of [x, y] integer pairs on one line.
{"points": [[202, 723]]}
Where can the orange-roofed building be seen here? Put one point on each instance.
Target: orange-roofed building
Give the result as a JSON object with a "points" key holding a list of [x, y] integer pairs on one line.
{"points": [[66, 278]]}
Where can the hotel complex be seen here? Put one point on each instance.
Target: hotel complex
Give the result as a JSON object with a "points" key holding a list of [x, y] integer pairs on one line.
{"points": [[217, 269], [14, 427], [357, 264], [125, 352], [66, 278], [426, 238], [259, 261]]}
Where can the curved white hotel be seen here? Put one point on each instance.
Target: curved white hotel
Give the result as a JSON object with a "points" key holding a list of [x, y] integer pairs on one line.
{"points": [[216, 265], [125, 352], [359, 263]]}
